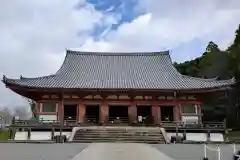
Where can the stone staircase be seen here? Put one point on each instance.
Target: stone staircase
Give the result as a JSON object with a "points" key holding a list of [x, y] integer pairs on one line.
{"points": [[150, 135]]}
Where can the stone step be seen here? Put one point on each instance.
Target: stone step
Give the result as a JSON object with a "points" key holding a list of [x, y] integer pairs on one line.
{"points": [[121, 128], [126, 134], [139, 138], [115, 136], [134, 135], [116, 141], [157, 132]]}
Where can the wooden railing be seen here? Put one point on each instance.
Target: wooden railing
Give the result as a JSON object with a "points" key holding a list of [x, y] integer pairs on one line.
{"points": [[117, 121], [180, 124], [91, 120]]}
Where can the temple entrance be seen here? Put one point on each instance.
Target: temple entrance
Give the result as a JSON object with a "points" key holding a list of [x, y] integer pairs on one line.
{"points": [[118, 114], [144, 114], [92, 114], [70, 112], [167, 113]]}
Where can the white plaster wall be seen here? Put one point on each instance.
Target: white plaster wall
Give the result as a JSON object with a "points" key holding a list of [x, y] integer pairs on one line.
{"points": [[191, 136], [20, 136], [46, 135], [48, 117], [40, 136], [201, 137], [190, 119], [216, 137]]}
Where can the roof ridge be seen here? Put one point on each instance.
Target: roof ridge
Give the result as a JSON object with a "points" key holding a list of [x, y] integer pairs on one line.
{"points": [[118, 53], [209, 79]]}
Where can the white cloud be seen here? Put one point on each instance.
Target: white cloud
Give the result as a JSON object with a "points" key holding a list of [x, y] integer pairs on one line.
{"points": [[167, 24], [34, 35]]}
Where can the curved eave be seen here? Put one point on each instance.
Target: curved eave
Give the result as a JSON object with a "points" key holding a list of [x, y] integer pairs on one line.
{"points": [[187, 84], [16, 87]]}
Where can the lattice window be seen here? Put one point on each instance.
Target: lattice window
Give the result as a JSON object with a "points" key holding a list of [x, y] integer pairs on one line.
{"points": [[48, 107], [188, 108]]}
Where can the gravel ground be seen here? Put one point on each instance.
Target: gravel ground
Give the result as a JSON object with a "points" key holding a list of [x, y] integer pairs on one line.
{"points": [[11, 151]]}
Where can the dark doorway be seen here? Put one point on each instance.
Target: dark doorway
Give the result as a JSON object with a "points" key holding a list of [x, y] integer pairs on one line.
{"points": [[167, 113], [92, 114], [144, 113], [118, 114], [70, 112]]}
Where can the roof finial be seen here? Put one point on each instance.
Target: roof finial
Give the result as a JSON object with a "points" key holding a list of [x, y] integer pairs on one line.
{"points": [[21, 77]]}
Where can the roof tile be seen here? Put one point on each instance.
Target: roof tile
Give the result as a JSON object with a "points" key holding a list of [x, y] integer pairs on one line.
{"points": [[118, 71]]}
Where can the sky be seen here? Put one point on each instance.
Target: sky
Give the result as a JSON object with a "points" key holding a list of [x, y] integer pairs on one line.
{"points": [[36, 33]]}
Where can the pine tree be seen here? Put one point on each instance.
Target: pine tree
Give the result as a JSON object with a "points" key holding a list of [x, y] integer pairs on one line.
{"points": [[234, 66], [32, 105], [237, 38], [234, 55], [211, 47]]}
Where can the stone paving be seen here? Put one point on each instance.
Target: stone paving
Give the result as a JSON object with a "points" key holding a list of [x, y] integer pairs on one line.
{"points": [[109, 151]]}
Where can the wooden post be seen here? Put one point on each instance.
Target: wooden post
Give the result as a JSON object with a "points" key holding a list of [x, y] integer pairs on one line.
{"points": [[10, 133], [29, 134], [81, 112], [156, 114], [61, 115], [208, 135], [132, 113], [177, 109], [199, 113], [184, 135], [52, 134], [176, 128], [176, 113], [226, 135], [225, 130], [104, 111]]}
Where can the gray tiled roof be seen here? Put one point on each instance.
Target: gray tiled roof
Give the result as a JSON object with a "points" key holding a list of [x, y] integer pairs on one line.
{"points": [[89, 70]]}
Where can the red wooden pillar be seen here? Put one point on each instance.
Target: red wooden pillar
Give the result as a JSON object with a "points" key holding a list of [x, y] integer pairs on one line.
{"points": [[177, 112], [104, 112], [199, 113], [60, 111], [38, 107], [156, 114], [81, 112], [132, 113]]}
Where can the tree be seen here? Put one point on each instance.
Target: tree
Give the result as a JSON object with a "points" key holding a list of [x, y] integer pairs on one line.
{"points": [[212, 47], [224, 65], [22, 113], [234, 66], [236, 42], [6, 116], [32, 105]]}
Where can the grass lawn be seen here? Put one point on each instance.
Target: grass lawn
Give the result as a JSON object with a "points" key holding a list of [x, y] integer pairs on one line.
{"points": [[4, 135]]}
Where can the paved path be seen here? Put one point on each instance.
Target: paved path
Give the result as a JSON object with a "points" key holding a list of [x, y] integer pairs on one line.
{"points": [[120, 151], [11, 151]]}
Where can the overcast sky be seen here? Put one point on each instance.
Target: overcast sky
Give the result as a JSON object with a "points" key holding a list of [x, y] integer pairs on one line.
{"points": [[34, 34]]}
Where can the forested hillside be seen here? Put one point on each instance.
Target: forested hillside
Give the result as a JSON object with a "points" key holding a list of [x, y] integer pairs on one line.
{"points": [[220, 64]]}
